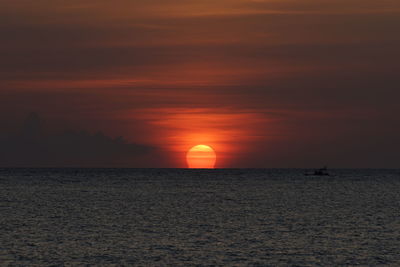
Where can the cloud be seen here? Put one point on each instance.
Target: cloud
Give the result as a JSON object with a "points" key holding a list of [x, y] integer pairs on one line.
{"points": [[32, 147], [138, 68]]}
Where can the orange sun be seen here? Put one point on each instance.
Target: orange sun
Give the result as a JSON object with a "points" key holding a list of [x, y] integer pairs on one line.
{"points": [[201, 157]]}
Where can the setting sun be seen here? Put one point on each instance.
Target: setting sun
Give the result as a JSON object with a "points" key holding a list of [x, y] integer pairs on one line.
{"points": [[201, 157]]}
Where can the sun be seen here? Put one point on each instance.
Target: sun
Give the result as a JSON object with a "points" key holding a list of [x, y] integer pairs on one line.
{"points": [[201, 157]]}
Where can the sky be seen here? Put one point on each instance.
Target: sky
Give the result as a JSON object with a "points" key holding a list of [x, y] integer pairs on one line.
{"points": [[137, 83]]}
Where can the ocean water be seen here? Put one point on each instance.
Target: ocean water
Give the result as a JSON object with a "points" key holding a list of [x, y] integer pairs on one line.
{"points": [[172, 217]]}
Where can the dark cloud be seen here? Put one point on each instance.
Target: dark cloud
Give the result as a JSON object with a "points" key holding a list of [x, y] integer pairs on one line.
{"points": [[32, 147]]}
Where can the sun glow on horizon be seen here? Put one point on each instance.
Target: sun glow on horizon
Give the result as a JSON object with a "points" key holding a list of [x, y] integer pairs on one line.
{"points": [[201, 157]]}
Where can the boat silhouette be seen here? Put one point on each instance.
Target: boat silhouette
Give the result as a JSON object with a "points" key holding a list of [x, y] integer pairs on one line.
{"points": [[319, 172]]}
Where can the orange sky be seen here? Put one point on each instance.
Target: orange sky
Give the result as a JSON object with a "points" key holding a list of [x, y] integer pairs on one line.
{"points": [[266, 83]]}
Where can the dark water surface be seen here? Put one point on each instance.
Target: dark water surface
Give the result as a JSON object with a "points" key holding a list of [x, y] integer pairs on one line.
{"points": [[167, 217]]}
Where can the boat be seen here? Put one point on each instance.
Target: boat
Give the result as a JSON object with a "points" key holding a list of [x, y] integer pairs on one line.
{"points": [[319, 172]]}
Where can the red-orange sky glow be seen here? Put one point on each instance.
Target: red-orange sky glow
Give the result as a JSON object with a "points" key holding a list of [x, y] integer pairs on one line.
{"points": [[265, 83]]}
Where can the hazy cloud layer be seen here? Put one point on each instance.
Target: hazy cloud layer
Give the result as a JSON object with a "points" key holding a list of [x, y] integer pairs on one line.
{"points": [[288, 83]]}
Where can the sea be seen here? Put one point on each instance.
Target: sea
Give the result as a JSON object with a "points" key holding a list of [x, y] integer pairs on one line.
{"points": [[182, 217]]}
